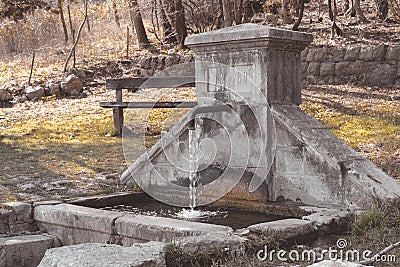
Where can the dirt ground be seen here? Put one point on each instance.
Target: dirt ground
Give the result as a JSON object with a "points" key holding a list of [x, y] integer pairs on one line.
{"points": [[60, 148]]}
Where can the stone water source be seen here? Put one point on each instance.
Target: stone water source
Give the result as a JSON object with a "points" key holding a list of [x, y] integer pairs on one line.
{"points": [[309, 166], [256, 70]]}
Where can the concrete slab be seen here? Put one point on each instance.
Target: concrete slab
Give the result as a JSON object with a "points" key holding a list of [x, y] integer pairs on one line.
{"points": [[25, 251], [328, 217], [106, 255], [212, 243], [284, 229], [162, 229], [75, 224]]}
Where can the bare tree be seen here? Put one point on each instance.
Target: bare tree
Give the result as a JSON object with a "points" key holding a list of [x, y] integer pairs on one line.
{"points": [[175, 14], [116, 16], [227, 9], [300, 15], [180, 24], [168, 31], [137, 20], [61, 12], [332, 10], [382, 9], [72, 51], [286, 14], [359, 13], [238, 11]]}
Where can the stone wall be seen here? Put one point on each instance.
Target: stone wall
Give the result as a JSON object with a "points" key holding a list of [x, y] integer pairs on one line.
{"points": [[377, 65], [364, 65], [16, 218]]}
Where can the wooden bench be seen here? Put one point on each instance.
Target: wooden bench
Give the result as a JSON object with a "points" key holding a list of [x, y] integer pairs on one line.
{"points": [[133, 85]]}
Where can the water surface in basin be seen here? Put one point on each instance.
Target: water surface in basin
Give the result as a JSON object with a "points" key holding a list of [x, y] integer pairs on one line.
{"points": [[232, 217]]}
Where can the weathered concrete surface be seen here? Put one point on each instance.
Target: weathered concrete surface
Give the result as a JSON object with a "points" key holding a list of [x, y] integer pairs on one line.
{"points": [[338, 263], [132, 228], [268, 57], [16, 218], [309, 164], [74, 224], [327, 217], [150, 254], [212, 243], [284, 229], [25, 251], [254, 69], [316, 168]]}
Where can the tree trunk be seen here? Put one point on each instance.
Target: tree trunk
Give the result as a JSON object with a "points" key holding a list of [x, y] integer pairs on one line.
{"points": [[137, 20], [382, 9], [180, 24], [72, 51], [246, 16], [238, 11], [300, 17], [168, 31], [349, 8], [359, 13], [227, 9], [286, 15], [220, 19], [332, 11], [60, 10], [116, 16]]}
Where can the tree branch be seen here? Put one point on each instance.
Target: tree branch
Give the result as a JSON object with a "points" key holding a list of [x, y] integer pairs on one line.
{"points": [[77, 38], [383, 252]]}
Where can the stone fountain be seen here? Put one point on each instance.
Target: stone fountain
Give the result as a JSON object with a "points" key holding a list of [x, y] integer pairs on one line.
{"points": [[247, 145], [266, 149]]}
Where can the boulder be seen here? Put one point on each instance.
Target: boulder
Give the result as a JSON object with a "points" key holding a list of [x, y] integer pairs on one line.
{"points": [[284, 229], [5, 95], [77, 72], [53, 88], [72, 85], [106, 255], [34, 92]]}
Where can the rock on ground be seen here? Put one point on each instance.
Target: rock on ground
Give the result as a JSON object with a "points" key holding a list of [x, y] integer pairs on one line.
{"points": [[72, 85], [106, 255], [34, 92], [284, 229], [4, 95]]}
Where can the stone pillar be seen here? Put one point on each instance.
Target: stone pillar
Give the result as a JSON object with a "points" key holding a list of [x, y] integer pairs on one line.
{"points": [[270, 57]]}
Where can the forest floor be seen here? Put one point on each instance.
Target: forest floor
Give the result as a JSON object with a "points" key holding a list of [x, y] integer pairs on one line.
{"points": [[57, 148]]}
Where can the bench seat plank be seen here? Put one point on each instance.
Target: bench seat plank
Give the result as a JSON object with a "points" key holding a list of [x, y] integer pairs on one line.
{"points": [[190, 104], [136, 83]]}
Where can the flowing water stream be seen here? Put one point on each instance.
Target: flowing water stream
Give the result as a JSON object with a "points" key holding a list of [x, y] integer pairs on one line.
{"points": [[194, 137]]}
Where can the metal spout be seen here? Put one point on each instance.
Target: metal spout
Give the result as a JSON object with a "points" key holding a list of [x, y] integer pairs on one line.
{"points": [[206, 109]]}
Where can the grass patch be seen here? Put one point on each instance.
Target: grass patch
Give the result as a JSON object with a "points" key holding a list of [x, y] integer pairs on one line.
{"points": [[367, 120]]}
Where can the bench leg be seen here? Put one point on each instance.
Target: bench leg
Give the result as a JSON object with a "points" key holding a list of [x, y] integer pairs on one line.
{"points": [[118, 115]]}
